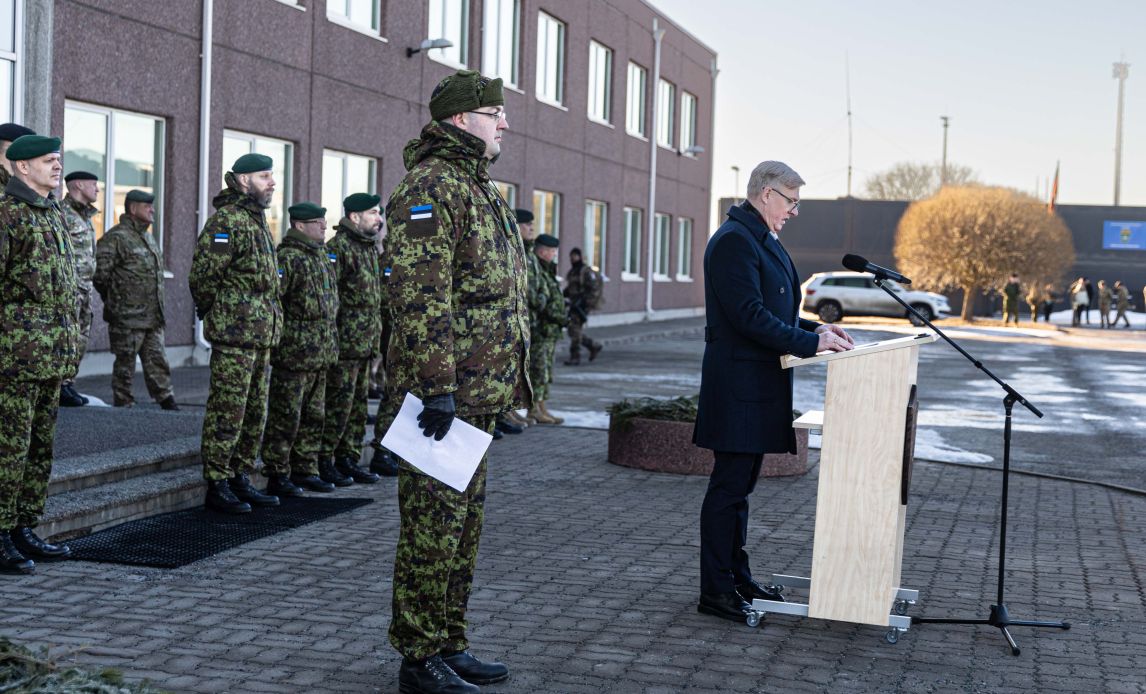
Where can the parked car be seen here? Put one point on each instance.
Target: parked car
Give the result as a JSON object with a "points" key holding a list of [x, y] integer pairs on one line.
{"points": [[833, 295]]}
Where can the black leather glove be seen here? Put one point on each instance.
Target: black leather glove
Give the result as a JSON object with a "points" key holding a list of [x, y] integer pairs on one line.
{"points": [[201, 312], [437, 415]]}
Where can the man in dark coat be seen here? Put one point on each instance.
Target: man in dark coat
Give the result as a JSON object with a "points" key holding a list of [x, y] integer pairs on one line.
{"points": [[751, 297]]}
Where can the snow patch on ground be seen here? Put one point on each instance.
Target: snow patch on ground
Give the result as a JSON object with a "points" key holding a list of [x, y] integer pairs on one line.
{"points": [[582, 418], [690, 380], [929, 445], [93, 401]]}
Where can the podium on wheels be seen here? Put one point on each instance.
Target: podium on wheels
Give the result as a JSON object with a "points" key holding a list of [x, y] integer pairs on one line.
{"points": [[868, 440]]}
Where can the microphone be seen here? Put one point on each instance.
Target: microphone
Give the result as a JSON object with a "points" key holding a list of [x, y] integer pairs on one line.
{"points": [[858, 263]]}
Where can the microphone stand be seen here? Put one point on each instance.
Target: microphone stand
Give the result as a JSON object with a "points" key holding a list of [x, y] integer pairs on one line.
{"points": [[999, 617]]}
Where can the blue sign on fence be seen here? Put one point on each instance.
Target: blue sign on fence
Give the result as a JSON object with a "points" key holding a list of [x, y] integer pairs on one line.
{"points": [[1124, 236]]}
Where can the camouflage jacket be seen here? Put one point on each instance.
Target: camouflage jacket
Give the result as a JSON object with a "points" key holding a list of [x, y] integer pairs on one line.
{"points": [[129, 276], [359, 272], [310, 306], [457, 285], [79, 220], [234, 276], [546, 305], [39, 332]]}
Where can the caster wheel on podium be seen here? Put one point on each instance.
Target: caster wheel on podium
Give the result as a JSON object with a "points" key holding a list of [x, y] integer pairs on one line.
{"points": [[753, 619], [892, 636]]}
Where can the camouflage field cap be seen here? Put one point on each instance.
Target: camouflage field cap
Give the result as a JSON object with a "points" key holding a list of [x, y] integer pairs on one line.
{"points": [[465, 90], [305, 211], [32, 146], [360, 202], [547, 240], [252, 163]]}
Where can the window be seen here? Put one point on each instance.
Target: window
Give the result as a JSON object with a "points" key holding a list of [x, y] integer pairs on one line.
{"points": [[11, 67], [502, 40], [684, 248], [450, 20], [687, 121], [236, 144], [660, 246], [343, 174], [547, 213], [596, 214], [635, 100], [358, 14], [665, 102], [550, 59], [508, 191], [600, 82], [631, 258], [124, 149]]}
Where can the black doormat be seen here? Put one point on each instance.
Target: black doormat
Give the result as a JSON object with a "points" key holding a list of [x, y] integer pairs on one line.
{"points": [[176, 539]]}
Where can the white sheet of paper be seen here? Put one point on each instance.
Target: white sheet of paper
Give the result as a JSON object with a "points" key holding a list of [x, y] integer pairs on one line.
{"points": [[453, 460]]}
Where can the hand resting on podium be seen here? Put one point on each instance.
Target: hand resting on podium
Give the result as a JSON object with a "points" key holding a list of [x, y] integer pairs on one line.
{"points": [[833, 338]]}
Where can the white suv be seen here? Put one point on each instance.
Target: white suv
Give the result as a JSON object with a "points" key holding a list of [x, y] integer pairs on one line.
{"points": [[832, 295]]}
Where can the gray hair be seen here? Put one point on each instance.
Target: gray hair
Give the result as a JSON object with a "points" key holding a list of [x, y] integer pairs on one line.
{"points": [[768, 173]]}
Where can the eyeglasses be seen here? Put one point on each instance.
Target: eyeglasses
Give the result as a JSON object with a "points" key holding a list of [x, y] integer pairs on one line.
{"points": [[496, 115], [795, 203]]}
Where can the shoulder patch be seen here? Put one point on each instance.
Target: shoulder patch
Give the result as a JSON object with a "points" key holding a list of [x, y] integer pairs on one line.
{"points": [[221, 242], [421, 212], [333, 257]]}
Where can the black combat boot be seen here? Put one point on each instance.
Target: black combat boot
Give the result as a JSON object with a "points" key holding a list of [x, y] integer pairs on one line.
{"points": [[69, 397], [312, 482], [168, 403], [349, 467], [11, 561], [505, 426], [221, 498], [383, 463], [431, 676], [329, 473], [31, 546], [242, 487], [473, 670], [280, 485]]}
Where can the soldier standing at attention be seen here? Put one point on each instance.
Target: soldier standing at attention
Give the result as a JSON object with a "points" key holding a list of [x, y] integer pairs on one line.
{"points": [[354, 251], [38, 337], [78, 212], [457, 293], [235, 285], [583, 288], [9, 132], [129, 278], [546, 319], [309, 346], [1011, 292]]}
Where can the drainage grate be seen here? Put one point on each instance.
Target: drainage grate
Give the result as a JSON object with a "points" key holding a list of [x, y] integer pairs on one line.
{"points": [[176, 539]]}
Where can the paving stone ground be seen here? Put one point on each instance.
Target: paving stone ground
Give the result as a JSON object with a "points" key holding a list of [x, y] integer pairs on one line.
{"points": [[587, 582]]}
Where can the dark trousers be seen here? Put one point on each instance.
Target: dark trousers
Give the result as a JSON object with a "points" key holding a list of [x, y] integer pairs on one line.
{"points": [[724, 522]]}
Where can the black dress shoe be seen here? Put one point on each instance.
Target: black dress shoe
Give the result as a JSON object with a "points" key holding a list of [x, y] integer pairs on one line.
{"points": [[754, 591], [29, 545], [221, 498], [497, 435], [473, 670], [431, 676], [11, 560], [349, 468], [280, 485], [383, 463], [329, 473], [725, 605], [313, 483], [245, 491]]}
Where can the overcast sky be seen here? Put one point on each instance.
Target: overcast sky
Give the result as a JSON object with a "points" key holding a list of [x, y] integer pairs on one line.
{"points": [[1025, 84]]}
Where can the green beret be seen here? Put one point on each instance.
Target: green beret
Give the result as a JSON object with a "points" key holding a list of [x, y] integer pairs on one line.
{"points": [[252, 163], [304, 211], [523, 216], [10, 131], [80, 176], [465, 90], [360, 202], [139, 196], [547, 240], [32, 146]]}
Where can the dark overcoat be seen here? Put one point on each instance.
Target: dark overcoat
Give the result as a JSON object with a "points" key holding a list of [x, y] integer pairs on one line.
{"points": [[751, 302]]}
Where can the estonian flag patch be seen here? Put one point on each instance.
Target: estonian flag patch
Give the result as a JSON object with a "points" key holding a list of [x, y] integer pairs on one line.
{"points": [[333, 257], [421, 212], [221, 237]]}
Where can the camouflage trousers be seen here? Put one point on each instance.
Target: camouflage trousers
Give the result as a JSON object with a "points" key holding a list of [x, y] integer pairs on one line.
{"points": [[296, 410], [347, 383], [126, 345], [1010, 310], [578, 338], [541, 366], [236, 411], [434, 560], [27, 427], [84, 310]]}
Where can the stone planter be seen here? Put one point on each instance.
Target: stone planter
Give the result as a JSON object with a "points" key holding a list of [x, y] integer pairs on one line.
{"points": [[660, 446]]}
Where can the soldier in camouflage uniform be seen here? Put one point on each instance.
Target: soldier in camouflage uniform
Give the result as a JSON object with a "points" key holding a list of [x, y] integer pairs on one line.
{"points": [[309, 346], [235, 285], [38, 343], [129, 278], [546, 319], [78, 212], [359, 271], [457, 293], [8, 133], [581, 283]]}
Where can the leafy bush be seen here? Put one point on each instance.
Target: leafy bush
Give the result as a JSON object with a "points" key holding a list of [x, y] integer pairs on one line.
{"points": [[22, 670]]}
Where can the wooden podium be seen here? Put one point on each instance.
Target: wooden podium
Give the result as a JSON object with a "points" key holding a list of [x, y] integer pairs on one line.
{"points": [[868, 428]]}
